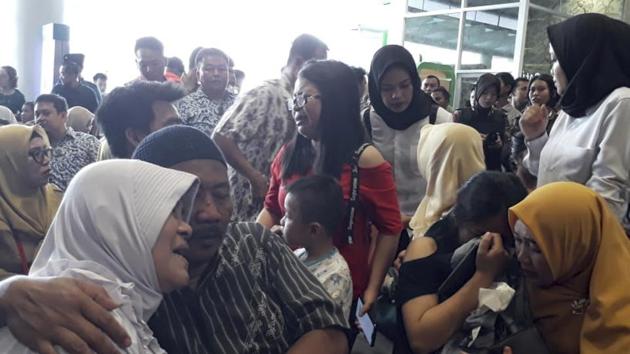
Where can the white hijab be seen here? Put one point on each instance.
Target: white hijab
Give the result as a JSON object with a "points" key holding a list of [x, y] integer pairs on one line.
{"points": [[108, 221]]}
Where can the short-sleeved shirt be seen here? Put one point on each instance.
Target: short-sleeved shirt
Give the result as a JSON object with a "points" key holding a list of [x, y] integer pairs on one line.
{"points": [[78, 96], [13, 101], [332, 271], [259, 123], [256, 297], [378, 206], [70, 154], [201, 112]]}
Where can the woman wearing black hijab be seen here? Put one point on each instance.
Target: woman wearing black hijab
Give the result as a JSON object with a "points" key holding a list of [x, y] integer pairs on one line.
{"points": [[588, 143], [488, 121], [400, 110]]}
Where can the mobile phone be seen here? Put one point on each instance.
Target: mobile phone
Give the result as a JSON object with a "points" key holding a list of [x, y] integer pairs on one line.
{"points": [[367, 325]]}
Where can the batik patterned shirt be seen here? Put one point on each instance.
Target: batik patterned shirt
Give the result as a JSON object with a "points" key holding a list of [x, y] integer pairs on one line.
{"points": [[70, 154], [333, 272], [259, 123], [201, 112], [256, 297]]}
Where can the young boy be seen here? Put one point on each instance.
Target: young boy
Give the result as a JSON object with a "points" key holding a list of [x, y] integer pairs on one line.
{"points": [[314, 209]]}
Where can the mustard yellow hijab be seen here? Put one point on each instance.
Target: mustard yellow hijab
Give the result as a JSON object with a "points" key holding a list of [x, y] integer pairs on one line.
{"points": [[587, 309], [448, 155], [23, 208]]}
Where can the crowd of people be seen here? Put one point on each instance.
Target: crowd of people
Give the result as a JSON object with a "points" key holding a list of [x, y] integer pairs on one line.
{"points": [[177, 214]]}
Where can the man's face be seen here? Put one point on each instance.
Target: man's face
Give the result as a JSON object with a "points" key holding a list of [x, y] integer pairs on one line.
{"points": [[213, 74], [151, 64], [211, 212], [47, 117], [68, 78], [102, 85], [520, 92], [429, 84]]}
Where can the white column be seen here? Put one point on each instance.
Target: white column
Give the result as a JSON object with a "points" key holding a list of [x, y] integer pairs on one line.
{"points": [[30, 17]]}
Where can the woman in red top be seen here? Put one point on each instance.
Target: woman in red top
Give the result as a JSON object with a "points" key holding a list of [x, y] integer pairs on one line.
{"points": [[325, 107]]}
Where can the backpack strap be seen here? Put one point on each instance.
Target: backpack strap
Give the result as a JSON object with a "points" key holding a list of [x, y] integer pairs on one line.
{"points": [[353, 204]]}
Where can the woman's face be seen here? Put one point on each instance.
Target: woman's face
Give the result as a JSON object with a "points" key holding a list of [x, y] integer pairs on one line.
{"points": [[488, 98], [170, 266], [396, 89], [38, 163], [307, 108], [533, 263], [539, 92], [559, 76]]}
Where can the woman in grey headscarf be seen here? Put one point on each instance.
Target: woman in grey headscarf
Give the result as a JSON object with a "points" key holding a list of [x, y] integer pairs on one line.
{"points": [[126, 236]]}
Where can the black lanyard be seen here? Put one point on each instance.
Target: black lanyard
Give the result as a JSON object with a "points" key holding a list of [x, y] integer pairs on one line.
{"points": [[354, 191]]}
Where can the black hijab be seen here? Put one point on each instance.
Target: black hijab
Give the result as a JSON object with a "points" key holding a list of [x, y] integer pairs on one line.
{"points": [[485, 82], [594, 52], [420, 106]]}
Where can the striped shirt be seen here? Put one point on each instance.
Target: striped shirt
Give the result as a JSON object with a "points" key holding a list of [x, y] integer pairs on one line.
{"points": [[256, 297]]}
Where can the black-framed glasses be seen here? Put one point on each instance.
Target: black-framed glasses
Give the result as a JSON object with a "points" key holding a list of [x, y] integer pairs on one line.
{"points": [[299, 101], [40, 155]]}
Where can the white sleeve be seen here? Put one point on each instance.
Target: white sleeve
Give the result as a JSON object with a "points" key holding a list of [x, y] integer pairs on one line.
{"points": [[443, 116], [611, 168], [534, 148]]}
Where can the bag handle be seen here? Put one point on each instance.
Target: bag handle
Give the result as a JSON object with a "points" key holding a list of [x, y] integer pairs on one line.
{"points": [[354, 191]]}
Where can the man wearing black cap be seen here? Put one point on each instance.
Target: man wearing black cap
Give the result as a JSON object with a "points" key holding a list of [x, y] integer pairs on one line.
{"points": [[248, 292], [71, 88]]}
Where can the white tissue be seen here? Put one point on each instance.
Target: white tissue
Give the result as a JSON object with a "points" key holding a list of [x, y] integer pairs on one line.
{"points": [[496, 298]]}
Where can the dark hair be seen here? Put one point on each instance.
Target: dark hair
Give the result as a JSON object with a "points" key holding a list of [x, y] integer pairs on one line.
{"points": [[443, 91], [210, 52], [132, 107], [340, 129], [486, 194], [193, 55], [320, 200], [175, 65], [519, 79], [60, 103], [434, 77], [359, 73], [305, 46], [151, 43], [507, 80], [30, 104], [71, 67], [99, 76], [13, 79], [554, 97]]}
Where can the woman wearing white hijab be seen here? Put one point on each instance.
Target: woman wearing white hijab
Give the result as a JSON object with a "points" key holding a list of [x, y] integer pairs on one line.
{"points": [[124, 235]]}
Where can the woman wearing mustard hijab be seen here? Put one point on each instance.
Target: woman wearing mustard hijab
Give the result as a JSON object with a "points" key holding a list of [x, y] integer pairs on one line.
{"points": [[27, 201], [576, 258]]}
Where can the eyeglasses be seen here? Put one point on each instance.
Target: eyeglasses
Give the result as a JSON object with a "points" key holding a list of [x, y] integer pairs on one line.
{"points": [[299, 101], [41, 154]]}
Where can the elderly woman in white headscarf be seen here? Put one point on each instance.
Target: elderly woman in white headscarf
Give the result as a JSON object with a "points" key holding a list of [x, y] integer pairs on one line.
{"points": [[126, 236], [6, 116]]}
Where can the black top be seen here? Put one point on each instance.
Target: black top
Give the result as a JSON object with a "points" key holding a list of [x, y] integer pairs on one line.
{"points": [[491, 122], [77, 96], [13, 101], [425, 275]]}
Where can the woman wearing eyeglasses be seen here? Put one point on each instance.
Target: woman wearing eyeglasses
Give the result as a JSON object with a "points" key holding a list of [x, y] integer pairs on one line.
{"points": [[330, 137], [27, 201]]}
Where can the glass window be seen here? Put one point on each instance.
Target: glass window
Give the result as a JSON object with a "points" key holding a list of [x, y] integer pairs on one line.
{"points": [[536, 56], [432, 5], [613, 8], [433, 38], [489, 38], [472, 3]]}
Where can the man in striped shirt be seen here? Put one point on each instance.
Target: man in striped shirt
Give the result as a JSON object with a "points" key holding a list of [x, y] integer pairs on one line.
{"points": [[248, 292]]}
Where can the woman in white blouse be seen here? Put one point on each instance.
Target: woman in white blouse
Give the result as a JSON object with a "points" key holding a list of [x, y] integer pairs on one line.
{"points": [[589, 143]]}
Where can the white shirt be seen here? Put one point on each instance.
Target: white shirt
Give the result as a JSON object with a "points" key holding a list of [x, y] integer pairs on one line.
{"points": [[399, 148], [593, 150]]}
